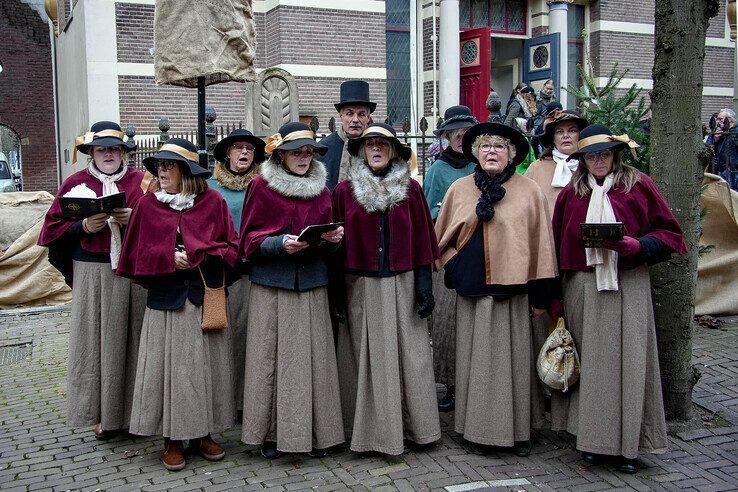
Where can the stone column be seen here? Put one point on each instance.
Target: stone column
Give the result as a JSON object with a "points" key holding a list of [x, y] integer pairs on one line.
{"points": [[449, 59], [557, 22]]}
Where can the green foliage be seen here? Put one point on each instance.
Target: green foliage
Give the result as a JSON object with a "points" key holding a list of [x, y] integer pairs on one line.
{"points": [[621, 112]]}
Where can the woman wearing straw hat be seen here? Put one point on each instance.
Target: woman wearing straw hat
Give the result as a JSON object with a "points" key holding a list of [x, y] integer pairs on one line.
{"points": [[291, 397], [106, 310], [616, 409], [181, 239], [498, 254], [387, 388], [451, 165], [238, 157]]}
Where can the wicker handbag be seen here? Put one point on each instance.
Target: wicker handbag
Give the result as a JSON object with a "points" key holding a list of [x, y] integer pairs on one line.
{"points": [[214, 306], [558, 361]]}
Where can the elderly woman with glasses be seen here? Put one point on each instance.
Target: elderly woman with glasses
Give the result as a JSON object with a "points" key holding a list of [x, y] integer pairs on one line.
{"points": [[616, 409], [498, 254], [291, 397]]}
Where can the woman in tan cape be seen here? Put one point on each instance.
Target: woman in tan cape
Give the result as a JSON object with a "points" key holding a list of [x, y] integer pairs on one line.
{"points": [[498, 254]]}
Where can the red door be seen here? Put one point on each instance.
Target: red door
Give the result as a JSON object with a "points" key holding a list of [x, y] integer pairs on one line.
{"points": [[476, 60]]}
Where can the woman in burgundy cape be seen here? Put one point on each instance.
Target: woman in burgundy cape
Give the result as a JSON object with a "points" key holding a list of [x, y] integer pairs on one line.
{"points": [[617, 408], [181, 232], [107, 311]]}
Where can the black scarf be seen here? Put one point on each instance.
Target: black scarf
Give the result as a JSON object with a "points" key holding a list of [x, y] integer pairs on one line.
{"points": [[492, 190], [457, 160]]}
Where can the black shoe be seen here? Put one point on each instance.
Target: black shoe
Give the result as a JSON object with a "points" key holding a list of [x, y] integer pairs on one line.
{"points": [[448, 402], [522, 448], [476, 448], [591, 458], [269, 450], [628, 465], [318, 453]]}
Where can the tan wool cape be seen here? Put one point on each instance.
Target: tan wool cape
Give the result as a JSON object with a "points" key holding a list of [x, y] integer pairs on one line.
{"points": [[542, 171]]}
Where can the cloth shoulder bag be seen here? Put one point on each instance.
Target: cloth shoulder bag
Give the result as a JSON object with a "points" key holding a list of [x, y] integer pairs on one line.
{"points": [[214, 306], [558, 361]]}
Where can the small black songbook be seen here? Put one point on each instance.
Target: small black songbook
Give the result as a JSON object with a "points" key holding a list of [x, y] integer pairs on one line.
{"points": [[594, 234], [311, 234], [80, 208]]}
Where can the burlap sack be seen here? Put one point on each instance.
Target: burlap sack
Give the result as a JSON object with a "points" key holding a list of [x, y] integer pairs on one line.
{"points": [[558, 361]]}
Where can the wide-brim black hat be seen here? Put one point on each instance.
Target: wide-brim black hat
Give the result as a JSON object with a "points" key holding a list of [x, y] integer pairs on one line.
{"points": [[292, 136], [220, 151], [181, 150], [384, 131], [104, 134], [456, 117], [518, 140], [596, 138], [355, 93], [553, 119]]}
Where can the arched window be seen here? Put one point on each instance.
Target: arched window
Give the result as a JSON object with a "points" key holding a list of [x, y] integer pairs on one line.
{"points": [[502, 16], [10, 148]]}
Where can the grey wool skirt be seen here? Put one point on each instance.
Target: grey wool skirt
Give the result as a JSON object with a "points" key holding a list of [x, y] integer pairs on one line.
{"points": [[238, 316], [617, 407], [291, 394], [386, 369], [183, 382], [443, 331], [106, 317], [494, 370]]}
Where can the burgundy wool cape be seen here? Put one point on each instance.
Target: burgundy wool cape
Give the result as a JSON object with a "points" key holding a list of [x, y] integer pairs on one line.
{"points": [[413, 238], [643, 212], [206, 229]]}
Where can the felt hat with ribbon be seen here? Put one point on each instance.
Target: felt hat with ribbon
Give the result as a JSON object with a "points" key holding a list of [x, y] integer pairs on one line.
{"points": [[596, 138], [220, 151], [102, 134], [380, 130], [456, 117], [292, 136], [355, 93], [181, 150], [554, 118], [491, 129]]}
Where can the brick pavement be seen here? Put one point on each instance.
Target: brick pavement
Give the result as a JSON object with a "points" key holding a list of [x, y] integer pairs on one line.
{"points": [[38, 452]]}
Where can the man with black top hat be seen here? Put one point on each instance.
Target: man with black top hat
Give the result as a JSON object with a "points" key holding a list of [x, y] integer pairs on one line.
{"points": [[354, 110]]}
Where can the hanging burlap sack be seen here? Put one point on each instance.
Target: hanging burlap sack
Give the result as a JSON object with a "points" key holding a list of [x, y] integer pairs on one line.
{"points": [[558, 361]]}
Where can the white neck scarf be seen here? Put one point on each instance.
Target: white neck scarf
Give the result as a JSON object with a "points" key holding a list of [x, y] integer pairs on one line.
{"points": [[110, 188], [564, 169], [600, 211], [176, 201]]}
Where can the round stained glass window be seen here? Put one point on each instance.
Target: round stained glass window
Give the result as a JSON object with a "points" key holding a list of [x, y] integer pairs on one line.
{"points": [[469, 52], [540, 57]]}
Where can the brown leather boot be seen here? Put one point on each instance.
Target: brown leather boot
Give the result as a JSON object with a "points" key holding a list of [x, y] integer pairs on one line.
{"points": [[173, 457], [207, 448]]}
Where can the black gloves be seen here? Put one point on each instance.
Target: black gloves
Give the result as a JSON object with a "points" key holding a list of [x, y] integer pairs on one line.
{"points": [[426, 302]]}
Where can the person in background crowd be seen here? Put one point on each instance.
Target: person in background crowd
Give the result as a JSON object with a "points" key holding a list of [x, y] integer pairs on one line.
{"points": [[181, 240], [535, 140], [546, 95], [522, 110], [616, 409], [354, 111], [514, 94], [726, 148], [107, 311], [238, 158]]}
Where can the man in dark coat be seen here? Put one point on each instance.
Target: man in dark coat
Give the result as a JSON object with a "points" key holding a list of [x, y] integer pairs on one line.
{"points": [[354, 110]]}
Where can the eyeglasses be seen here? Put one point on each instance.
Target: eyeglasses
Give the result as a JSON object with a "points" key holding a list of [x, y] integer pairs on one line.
{"points": [[242, 148], [595, 156], [498, 147], [166, 165], [306, 152]]}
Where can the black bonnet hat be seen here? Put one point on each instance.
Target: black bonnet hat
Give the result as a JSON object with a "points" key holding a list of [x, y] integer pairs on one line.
{"points": [[292, 136], [380, 130], [456, 117], [103, 134], [181, 150], [355, 93], [516, 138], [220, 151]]}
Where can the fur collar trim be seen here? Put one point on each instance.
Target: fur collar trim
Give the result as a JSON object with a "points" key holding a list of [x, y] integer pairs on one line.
{"points": [[232, 181], [375, 193], [310, 185]]}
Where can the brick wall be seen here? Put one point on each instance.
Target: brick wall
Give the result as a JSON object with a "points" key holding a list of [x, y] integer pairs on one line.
{"points": [[26, 92], [717, 24], [134, 25], [641, 11]]}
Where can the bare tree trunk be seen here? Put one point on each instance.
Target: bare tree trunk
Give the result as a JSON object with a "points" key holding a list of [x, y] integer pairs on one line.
{"points": [[681, 27]]}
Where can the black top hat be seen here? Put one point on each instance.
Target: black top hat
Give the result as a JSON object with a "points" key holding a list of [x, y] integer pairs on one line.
{"points": [[292, 136], [177, 149], [518, 140], [596, 138], [355, 93], [456, 117], [220, 151], [380, 130], [104, 134], [553, 119]]}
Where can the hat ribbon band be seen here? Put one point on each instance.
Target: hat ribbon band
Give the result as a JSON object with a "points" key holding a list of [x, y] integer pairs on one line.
{"points": [[187, 154], [88, 137], [380, 130], [276, 140], [624, 138]]}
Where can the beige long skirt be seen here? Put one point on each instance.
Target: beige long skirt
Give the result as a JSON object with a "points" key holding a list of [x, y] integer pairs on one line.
{"points": [[386, 375], [494, 370], [238, 315], [183, 382], [443, 331], [291, 393], [106, 317], [617, 407]]}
